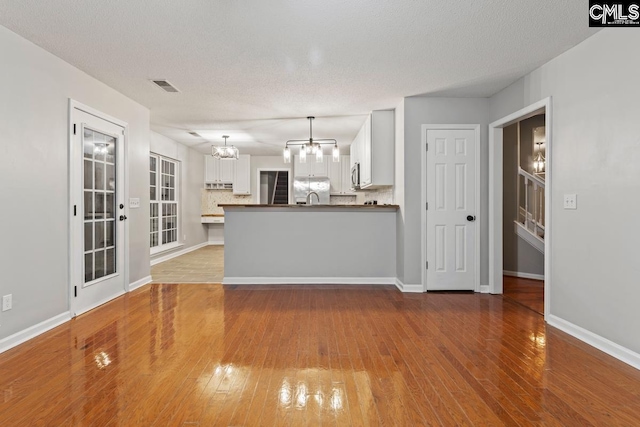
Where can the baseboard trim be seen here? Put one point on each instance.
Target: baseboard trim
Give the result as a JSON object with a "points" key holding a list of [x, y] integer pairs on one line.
{"points": [[309, 281], [178, 253], [139, 283], [33, 331], [99, 303], [216, 243], [523, 275], [417, 289], [619, 352]]}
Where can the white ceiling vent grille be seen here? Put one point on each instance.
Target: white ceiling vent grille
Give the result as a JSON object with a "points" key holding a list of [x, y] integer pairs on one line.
{"points": [[165, 86]]}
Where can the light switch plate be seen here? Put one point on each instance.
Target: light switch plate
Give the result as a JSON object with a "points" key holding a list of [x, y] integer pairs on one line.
{"points": [[134, 202], [570, 201]]}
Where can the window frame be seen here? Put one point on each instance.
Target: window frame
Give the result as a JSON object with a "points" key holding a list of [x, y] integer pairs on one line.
{"points": [[162, 246]]}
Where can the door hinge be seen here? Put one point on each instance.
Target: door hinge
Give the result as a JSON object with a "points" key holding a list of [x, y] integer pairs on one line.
{"points": [[75, 210], [75, 291], [427, 206], [427, 265], [427, 145], [74, 128]]}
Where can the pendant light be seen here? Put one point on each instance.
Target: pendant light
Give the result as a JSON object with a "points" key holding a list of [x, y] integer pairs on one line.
{"points": [[538, 161], [312, 147], [225, 151]]}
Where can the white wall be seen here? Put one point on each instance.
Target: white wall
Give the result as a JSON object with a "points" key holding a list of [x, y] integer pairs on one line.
{"points": [[596, 155], [191, 184], [424, 110], [35, 88], [398, 189]]}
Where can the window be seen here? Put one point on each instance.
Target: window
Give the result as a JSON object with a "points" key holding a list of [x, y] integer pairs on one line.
{"points": [[163, 192]]}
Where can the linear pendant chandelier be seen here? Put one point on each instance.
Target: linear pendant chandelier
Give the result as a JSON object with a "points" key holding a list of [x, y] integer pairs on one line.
{"points": [[225, 151], [311, 146]]}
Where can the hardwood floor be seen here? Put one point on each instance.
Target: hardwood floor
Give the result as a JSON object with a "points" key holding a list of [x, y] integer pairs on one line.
{"points": [[528, 292], [206, 355]]}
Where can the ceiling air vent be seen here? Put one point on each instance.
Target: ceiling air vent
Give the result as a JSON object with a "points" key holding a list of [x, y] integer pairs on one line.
{"points": [[165, 86], [196, 134]]}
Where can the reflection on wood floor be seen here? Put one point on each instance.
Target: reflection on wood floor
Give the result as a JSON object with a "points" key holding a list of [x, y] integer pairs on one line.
{"points": [[528, 292], [205, 355]]}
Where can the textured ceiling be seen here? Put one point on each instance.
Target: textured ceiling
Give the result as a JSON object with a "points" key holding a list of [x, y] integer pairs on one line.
{"points": [[255, 69]]}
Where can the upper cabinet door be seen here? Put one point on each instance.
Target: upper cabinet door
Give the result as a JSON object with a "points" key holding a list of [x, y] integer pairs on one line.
{"points": [[211, 172], [335, 175], [300, 169], [242, 176], [322, 168], [345, 168], [365, 166], [227, 168]]}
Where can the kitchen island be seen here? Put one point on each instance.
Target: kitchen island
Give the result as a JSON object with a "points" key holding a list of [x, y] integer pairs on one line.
{"points": [[321, 244]]}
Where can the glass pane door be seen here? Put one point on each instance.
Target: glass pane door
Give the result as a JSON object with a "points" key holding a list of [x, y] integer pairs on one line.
{"points": [[99, 207]]}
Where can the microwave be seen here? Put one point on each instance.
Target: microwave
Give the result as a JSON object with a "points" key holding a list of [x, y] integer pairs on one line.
{"points": [[355, 176]]}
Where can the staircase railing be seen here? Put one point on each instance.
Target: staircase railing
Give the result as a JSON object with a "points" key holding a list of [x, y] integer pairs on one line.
{"points": [[275, 186], [531, 202]]}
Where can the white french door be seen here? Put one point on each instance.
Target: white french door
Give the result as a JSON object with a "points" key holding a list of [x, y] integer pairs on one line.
{"points": [[98, 216], [451, 210]]}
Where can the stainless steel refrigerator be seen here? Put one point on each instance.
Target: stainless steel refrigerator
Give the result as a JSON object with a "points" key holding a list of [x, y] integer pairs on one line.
{"points": [[302, 187]]}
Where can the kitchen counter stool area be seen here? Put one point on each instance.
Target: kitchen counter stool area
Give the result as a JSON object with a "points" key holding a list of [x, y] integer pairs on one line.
{"points": [[301, 244]]}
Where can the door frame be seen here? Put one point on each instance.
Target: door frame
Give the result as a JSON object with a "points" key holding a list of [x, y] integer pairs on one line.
{"points": [[259, 170], [72, 264], [423, 216], [496, 196]]}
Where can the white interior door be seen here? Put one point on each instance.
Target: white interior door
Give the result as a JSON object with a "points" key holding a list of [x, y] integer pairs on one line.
{"points": [[451, 210], [97, 171]]}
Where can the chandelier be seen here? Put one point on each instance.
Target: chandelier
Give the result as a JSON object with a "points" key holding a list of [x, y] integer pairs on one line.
{"points": [[538, 161], [225, 151], [311, 147]]}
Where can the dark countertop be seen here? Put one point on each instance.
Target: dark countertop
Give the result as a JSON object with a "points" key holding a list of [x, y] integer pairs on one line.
{"points": [[370, 207], [212, 214]]}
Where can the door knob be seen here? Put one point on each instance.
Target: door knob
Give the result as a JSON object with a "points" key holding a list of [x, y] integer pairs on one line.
{"points": [[471, 218], [123, 217]]}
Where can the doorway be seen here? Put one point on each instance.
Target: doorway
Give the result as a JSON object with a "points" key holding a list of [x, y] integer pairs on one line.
{"points": [[523, 227], [451, 194], [273, 186], [520, 205], [98, 261]]}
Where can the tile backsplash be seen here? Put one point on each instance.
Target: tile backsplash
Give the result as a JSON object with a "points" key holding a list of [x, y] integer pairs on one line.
{"points": [[343, 200], [384, 196], [212, 198]]}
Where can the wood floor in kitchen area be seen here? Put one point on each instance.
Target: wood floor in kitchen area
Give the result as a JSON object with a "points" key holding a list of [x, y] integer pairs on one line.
{"points": [[208, 355]]}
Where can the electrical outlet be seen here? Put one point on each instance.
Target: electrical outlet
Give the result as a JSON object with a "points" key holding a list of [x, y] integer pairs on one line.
{"points": [[7, 302], [570, 201], [134, 202]]}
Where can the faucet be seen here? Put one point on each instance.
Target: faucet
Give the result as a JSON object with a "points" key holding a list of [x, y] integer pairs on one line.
{"points": [[310, 199]]}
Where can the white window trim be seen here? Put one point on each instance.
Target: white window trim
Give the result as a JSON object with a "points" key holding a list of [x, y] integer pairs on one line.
{"points": [[178, 243]]}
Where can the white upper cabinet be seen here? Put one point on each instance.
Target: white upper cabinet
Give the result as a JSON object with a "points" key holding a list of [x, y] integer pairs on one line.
{"points": [[340, 177], [217, 171], [365, 163], [227, 170], [311, 167], [242, 176], [374, 148]]}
